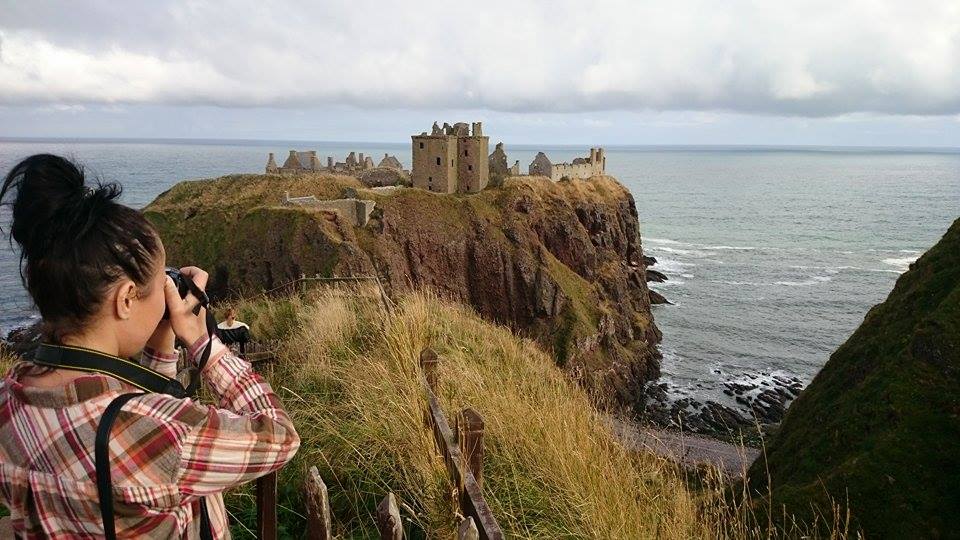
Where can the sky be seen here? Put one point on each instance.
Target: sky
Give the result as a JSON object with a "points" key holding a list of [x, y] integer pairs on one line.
{"points": [[865, 73]]}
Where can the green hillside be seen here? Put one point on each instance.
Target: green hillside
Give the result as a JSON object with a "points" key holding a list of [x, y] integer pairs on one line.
{"points": [[878, 429]]}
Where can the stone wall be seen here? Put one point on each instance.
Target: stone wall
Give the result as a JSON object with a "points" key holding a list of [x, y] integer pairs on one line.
{"points": [[581, 167], [356, 211], [434, 163], [569, 170], [473, 169]]}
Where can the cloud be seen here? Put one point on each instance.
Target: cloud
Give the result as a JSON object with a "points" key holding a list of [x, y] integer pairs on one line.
{"points": [[809, 58]]}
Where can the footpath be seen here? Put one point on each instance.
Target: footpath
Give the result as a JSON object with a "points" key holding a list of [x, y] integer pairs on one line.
{"points": [[689, 450]]}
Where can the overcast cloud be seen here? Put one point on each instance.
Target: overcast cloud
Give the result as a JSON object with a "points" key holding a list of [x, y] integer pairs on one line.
{"points": [[810, 59], [613, 68]]}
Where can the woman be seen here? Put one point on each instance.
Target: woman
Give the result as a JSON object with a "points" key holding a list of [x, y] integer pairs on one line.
{"points": [[233, 333], [95, 270]]}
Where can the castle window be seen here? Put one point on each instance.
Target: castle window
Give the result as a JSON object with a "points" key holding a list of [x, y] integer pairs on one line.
{"points": [[469, 167], [438, 161], [466, 151], [421, 146]]}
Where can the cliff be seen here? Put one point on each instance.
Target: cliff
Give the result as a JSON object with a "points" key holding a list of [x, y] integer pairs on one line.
{"points": [[559, 262], [878, 429]]}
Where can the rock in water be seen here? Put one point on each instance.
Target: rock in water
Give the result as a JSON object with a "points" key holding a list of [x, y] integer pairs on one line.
{"points": [[655, 276], [657, 298], [878, 429], [556, 261]]}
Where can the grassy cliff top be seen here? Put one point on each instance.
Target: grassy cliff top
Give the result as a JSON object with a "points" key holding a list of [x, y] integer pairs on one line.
{"points": [[243, 192], [879, 427]]}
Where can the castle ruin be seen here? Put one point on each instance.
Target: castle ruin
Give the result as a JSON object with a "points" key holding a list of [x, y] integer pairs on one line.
{"points": [[451, 159], [581, 168], [307, 161]]}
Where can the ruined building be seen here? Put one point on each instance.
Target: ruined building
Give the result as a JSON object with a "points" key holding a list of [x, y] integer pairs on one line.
{"points": [[296, 162], [299, 162], [581, 168], [497, 164], [451, 159], [355, 211]]}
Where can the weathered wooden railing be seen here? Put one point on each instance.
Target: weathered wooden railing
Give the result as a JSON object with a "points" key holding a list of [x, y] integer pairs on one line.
{"points": [[461, 448], [389, 523]]}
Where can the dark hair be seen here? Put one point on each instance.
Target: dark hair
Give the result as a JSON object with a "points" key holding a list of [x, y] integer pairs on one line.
{"points": [[75, 240]]}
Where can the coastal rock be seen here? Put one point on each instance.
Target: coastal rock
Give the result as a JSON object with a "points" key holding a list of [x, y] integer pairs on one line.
{"points": [[657, 298], [23, 341], [655, 276], [551, 260], [761, 401]]}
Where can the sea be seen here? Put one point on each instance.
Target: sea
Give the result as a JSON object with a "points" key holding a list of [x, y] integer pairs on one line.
{"points": [[773, 254]]}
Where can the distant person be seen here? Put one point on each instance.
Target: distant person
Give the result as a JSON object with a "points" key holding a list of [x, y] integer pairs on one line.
{"points": [[90, 449], [233, 333]]}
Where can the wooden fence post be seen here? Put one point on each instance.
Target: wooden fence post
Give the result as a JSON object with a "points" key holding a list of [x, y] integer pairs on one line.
{"points": [[388, 519], [429, 363], [467, 530], [470, 435], [318, 507], [267, 507]]}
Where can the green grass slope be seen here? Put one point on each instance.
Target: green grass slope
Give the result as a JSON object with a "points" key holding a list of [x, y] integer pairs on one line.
{"points": [[878, 429]]}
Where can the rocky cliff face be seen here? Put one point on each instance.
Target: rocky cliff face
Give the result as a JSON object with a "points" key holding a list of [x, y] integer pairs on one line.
{"points": [[878, 430], [560, 262]]}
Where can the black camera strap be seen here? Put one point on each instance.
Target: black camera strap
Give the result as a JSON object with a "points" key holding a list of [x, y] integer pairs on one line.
{"points": [[128, 371], [90, 361], [134, 374]]}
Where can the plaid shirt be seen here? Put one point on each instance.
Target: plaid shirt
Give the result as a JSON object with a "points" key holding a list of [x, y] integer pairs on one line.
{"points": [[165, 453]]}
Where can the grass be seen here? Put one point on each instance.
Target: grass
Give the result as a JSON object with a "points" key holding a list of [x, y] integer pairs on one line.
{"points": [[348, 375]]}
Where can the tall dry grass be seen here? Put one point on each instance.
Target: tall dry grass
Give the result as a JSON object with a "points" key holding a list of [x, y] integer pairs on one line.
{"points": [[349, 377]]}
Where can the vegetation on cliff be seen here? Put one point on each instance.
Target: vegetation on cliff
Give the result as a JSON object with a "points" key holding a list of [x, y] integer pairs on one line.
{"points": [[558, 261], [878, 429], [349, 376]]}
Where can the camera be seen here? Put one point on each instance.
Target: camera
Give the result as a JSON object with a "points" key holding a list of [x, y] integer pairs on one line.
{"points": [[186, 286]]}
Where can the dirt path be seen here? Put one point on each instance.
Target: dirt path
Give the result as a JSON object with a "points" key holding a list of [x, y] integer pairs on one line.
{"points": [[687, 449]]}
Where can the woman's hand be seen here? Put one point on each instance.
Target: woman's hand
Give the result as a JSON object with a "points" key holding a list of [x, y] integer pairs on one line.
{"points": [[187, 326], [162, 339]]}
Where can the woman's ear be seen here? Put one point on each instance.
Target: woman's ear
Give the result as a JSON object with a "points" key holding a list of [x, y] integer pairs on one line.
{"points": [[125, 294]]}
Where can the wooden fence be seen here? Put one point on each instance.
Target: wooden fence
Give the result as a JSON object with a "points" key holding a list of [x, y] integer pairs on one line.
{"points": [[461, 448]]}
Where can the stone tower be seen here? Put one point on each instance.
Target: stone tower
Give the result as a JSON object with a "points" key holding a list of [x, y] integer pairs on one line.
{"points": [[451, 159]]}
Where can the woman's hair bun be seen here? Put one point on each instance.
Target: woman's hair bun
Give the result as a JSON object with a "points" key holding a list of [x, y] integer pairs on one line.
{"points": [[52, 201], [76, 240]]}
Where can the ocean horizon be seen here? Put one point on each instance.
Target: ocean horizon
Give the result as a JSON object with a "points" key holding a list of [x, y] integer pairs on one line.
{"points": [[520, 146]]}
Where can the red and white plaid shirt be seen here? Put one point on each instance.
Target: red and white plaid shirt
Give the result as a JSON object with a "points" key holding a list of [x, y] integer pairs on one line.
{"points": [[165, 453]]}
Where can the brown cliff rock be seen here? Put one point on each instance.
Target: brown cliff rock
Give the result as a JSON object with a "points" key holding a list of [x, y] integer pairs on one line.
{"points": [[559, 262]]}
